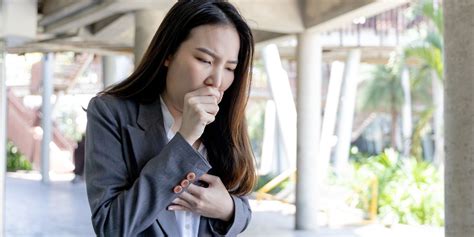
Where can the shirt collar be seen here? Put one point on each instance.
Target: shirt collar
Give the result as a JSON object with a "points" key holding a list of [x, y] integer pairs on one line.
{"points": [[168, 120]]}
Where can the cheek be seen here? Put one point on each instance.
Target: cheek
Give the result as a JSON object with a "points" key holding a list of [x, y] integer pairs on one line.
{"points": [[186, 78], [195, 76], [227, 82]]}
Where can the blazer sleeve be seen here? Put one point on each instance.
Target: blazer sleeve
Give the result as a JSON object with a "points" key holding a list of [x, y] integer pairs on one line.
{"points": [[239, 222], [121, 208]]}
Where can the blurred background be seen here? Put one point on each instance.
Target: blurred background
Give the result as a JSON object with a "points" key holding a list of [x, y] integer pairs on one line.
{"points": [[364, 157]]}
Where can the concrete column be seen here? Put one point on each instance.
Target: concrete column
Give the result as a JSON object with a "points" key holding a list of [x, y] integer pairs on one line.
{"points": [[284, 102], [146, 24], [115, 69], [459, 117], [346, 111], [109, 70], [308, 129], [267, 162], [406, 113], [3, 134], [329, 120], [46, 110]]}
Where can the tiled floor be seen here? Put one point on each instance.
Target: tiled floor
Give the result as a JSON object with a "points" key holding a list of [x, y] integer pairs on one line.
{"points": [[60, 209], [36, 209]]}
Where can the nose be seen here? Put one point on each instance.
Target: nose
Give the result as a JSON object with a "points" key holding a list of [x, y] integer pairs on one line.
{"points": [[215, 78]]}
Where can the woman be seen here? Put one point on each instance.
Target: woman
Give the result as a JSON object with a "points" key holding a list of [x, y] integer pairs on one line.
{"points": [[167, 151]]}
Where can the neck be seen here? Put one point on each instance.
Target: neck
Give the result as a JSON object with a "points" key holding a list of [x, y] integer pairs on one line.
{"points": [[176, 113]]}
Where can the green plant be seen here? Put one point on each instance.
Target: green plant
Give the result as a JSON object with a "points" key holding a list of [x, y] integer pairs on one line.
{"points": [[16, 160], [427, 51], [409, 191], [384, 93]]}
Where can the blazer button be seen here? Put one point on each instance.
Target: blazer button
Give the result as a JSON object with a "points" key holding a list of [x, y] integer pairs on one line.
{"points": [[191, 176], [185, 183], [177, 189]]}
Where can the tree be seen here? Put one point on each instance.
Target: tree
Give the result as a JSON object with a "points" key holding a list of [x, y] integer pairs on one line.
{"points": [[384, 93], [428, 51]]}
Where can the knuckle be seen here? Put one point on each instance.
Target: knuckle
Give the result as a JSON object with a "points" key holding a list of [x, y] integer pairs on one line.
{"points": [[199, 205], [197, 108], [187, 97], [192, 100]]}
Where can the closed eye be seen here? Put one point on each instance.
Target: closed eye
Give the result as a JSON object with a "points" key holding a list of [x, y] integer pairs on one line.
{"points": [[203, 60]]}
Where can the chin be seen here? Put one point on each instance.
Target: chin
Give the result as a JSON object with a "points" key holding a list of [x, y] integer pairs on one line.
{"points": [[220, 98]]}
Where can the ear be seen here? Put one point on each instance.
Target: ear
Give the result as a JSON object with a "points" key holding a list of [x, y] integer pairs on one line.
{"points": [[168, 60]]}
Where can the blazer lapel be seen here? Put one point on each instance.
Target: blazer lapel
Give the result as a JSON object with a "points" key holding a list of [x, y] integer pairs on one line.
{"points": [[147, 140]]}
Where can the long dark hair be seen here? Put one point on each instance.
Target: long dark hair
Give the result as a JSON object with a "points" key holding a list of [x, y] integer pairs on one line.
{"points": [[226, 139]]}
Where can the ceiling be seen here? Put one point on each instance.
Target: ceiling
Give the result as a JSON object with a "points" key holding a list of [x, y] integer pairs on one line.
{"points": [[108, 26]]}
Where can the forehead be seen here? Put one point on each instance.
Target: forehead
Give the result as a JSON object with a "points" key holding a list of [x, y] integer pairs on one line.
{"points": [[221, 39]]}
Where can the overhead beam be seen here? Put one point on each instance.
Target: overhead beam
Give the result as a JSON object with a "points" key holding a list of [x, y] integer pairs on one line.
{"points": [[121, 27], [102, 10], [279, 16], [341, 12], [106, 22], [262, 36], [259, 14], [55, 10], [99, 48]]}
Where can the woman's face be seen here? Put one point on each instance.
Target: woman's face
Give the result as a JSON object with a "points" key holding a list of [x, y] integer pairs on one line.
{"points": [[207, 58]]}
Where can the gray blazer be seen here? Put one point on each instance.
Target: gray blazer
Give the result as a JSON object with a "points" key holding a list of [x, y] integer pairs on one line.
{"points": [[131, 170]]}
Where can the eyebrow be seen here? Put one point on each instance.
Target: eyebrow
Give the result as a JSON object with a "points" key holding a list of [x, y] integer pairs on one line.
{"points": [[207, 51]]}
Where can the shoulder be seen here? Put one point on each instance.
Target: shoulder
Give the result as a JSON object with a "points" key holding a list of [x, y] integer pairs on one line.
{"points": [[109, 101], [112, 107]]}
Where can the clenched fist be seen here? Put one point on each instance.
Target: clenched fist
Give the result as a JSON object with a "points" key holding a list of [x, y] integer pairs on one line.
{"points": [[200, 109]]}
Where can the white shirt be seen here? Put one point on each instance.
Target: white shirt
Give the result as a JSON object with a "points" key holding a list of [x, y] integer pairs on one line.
{"points": [[188, 222]]}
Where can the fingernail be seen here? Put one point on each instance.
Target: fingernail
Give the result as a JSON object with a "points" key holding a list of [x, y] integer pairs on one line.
{"points": [[185, 183], [177, 189], [191, 176]]}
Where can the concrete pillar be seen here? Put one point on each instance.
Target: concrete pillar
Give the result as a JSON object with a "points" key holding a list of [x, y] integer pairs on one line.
{"points": [[346, 110], [115, 69], [329, 120], [146, 24], [46, 110], [459, 117], [3, 134], [406, 112], [308, 129], [267, 158], [284, 102]]}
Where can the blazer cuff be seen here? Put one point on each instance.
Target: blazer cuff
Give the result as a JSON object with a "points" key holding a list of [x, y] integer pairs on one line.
{"points": [[237, 224]]}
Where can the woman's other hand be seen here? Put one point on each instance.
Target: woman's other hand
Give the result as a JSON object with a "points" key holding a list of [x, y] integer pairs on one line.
{"points": [[213, 201], [200, 109]]}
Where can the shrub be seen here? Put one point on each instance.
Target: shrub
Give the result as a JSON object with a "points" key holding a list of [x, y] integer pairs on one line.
{"points": [[408, 191], [16, 160]]}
